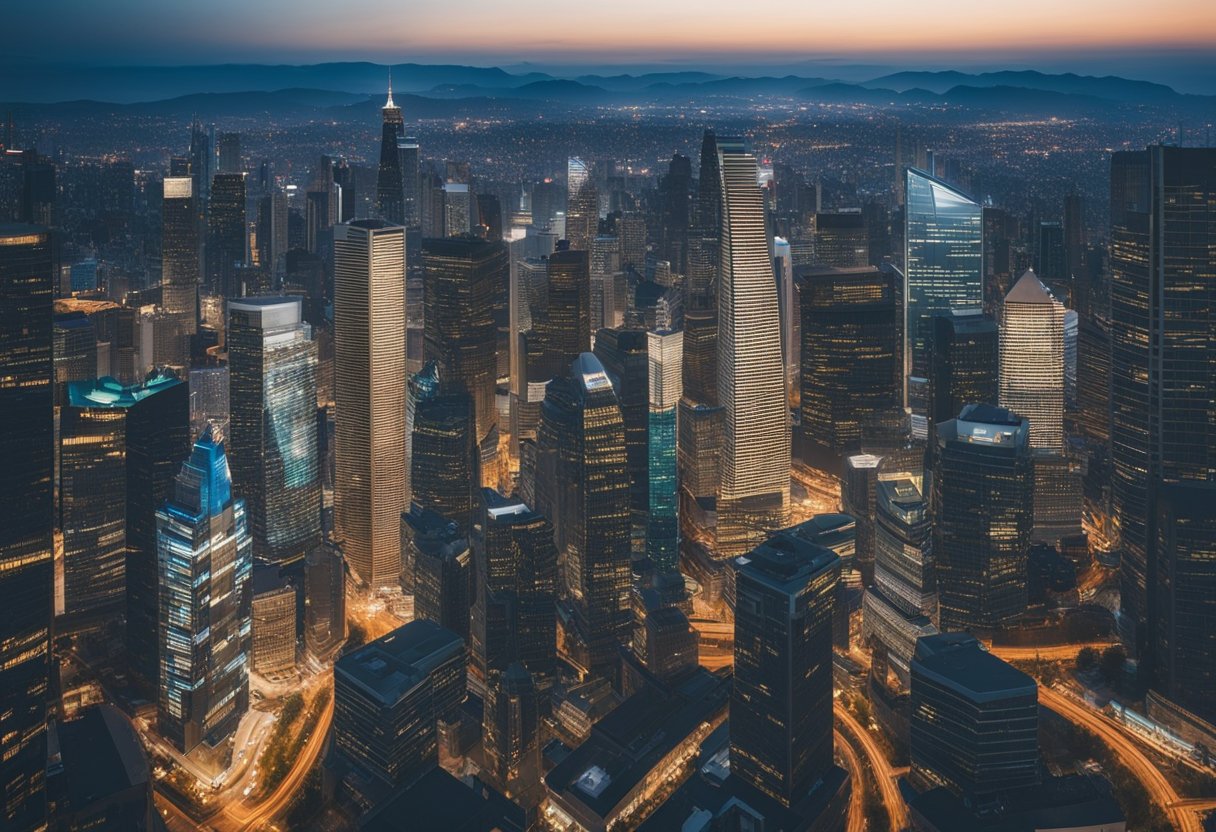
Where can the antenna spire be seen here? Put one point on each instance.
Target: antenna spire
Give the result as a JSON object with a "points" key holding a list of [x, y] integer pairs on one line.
{"points": [[389, 103]]}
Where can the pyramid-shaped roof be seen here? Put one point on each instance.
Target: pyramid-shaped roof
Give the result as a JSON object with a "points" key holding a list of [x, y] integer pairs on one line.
{"points": [[1029, 289]]}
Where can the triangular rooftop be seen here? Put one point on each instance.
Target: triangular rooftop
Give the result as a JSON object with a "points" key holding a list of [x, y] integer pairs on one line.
{"points": [[1029, 289]]}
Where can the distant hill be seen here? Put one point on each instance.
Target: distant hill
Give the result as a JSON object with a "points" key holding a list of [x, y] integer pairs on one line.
{"points": [[1108, 87]]}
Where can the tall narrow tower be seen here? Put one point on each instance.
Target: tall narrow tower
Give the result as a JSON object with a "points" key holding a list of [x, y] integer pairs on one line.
{"points": [[390, 191], [1032, 361], [755, 491]]}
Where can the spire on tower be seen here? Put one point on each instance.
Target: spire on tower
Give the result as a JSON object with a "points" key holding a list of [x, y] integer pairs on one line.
{"points": [[389, 103]]}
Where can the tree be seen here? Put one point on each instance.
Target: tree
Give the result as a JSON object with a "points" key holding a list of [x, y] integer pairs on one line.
{"points": [[1111, 663], [1087, 659]]}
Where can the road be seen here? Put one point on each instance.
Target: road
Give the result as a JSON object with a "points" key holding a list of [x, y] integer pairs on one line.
{"points": [[1058, 652], [880, 765], [281, 798], [857, 819], [1158, 787]]}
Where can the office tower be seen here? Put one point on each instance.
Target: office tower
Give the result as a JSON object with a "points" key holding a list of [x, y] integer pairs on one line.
{"points": [[273, 448], [514, 614], [511, 722], [1163, 334], [389, 696], [465, 278], [324, 600], [205, 561], [675, 196], [390, 194], [788, 310], [664, 350], [230, 160], [226, 235], [565, 328], [901, 604], [1050, 262], [964, 364], [625, 358], [665, 643], [582, 205], [605, 262], [781, 707], [851, 366], [1071, 337], [458, 211], [943, 262], [858, 488], [582, 485], [700, 361], [179, 259], [209, 399], [842, 240], [983, 499], [409, 155], [443, 458], [272, 622], [1032, 361], [101, 421], [75, 351], [28, 519], [272, 234], [1076, 239], [631, 230], [369, 397], [1184, 648], [439, 554], [202, 162], [755, 490], [975, 719]]}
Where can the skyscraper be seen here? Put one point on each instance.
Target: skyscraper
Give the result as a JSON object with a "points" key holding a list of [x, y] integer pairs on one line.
{"points": [[205, 561], [369, 397], [179, 260], [582, 205], [226, 235], [1032, 361], [465, 277], [443, 458], [390, 194], [624, 354], [272, 361], [565, 327], [963, 362], [664, 351], [443, 578], [1163, 339], [943, 262], [27, 514], [582, 484], [755, 490], [324, 600], [109, 434], [983, 500], [851, 368], [781, 707]]}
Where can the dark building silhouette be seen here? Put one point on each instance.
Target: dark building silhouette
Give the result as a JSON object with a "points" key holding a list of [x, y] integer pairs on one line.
{"points": [[226, 234], [390, 193], [781, 707], [582, 484], [984, 510], [443, 458], [1163, 339], [565, 327], [675, 194], [851, 361], [443, 571], [975, 719], [26, 519], [510, 724], [963, 363], [624, 353], [842, 240], [324, 600]]}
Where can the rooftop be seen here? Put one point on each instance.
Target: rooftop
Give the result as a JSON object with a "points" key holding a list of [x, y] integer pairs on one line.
{"points": [[392, 665], [961, 661], [1030, 290], [107, 392], [786, 561]]}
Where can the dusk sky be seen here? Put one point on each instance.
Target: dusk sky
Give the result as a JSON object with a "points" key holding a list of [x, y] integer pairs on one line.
{"points": [[137, 31]]}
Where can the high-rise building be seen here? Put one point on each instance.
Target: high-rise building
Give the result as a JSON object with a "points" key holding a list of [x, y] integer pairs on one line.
{"points": [[324, 600], [75, 345], [983, 499], [465, 278], [511, 722], [389, 696], [851, 367], [1032, 361], [943, 262], [842, 240], [514, 615], [443, 458], [226, 235], [755, 491], [109, 434], [272, 361], [565, 327], [390, 193], [205, 558], [781, 707], [28, 520], [180, 260], [582, 485], [410, 158], [975, 719], [230, 160], [582, 205], [443, 573], [675, 195], [624, 354], [1163, 339], [272, 645], [369, 397], [664, 352], [963, 362]]}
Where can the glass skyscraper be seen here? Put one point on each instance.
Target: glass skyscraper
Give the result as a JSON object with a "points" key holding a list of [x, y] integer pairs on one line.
{"points": [[390, 194], [943, 260], [26, 520], [272, 361], [205, 559], [665, 351]]}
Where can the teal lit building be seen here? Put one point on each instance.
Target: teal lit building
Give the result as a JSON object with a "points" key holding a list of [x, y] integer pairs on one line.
{"points": [[665, 350], [205, 560]]}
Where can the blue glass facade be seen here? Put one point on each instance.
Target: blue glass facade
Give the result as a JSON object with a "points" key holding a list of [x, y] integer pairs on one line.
{"points": [[944, 259]]}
